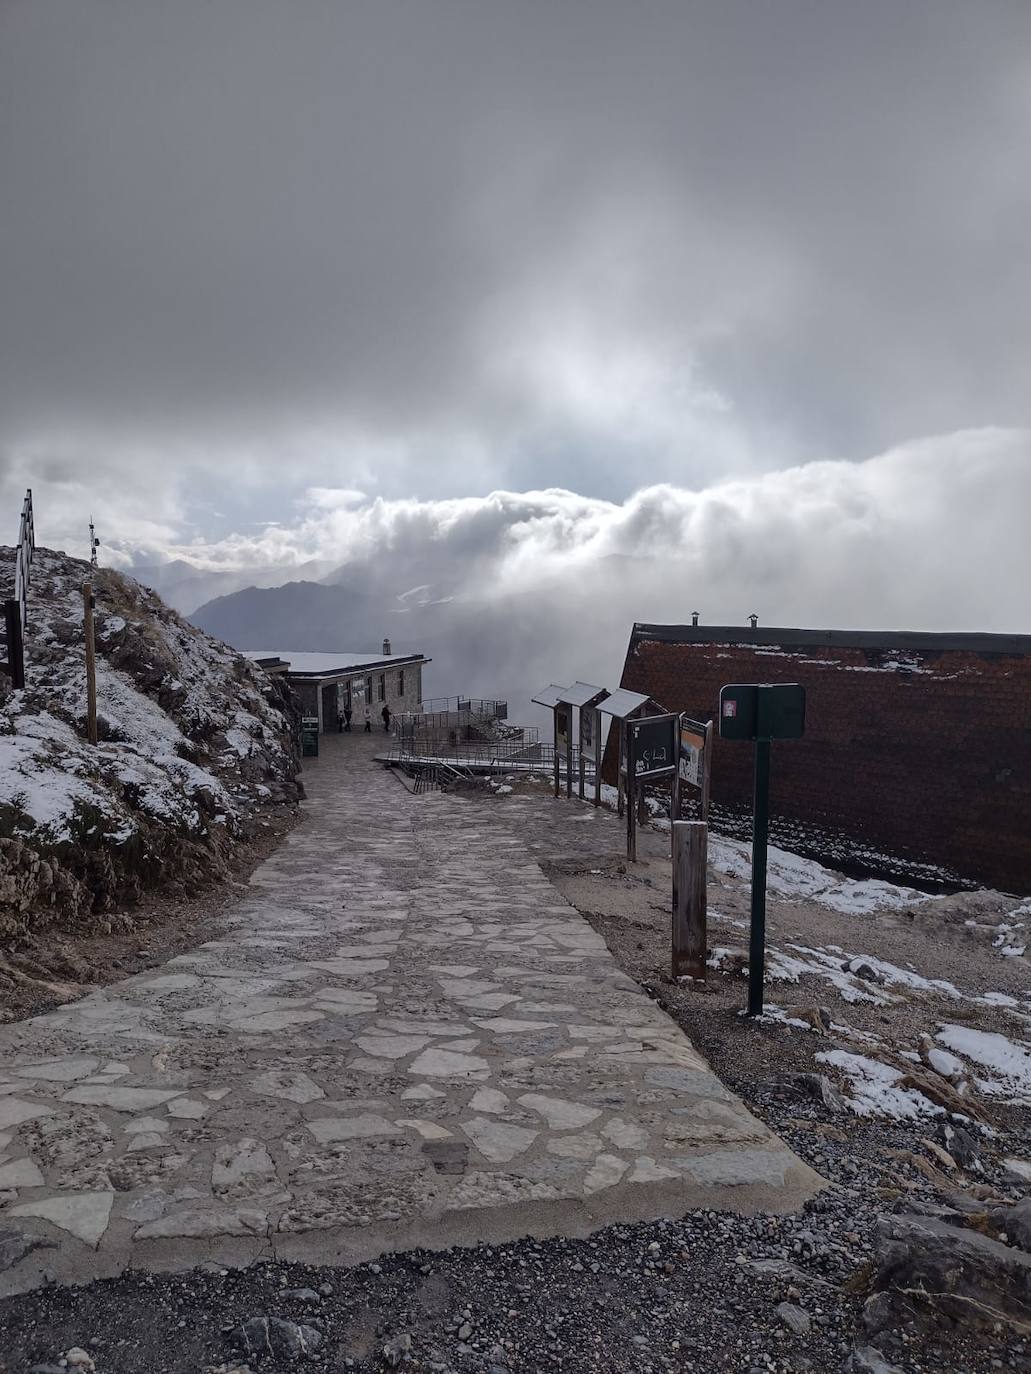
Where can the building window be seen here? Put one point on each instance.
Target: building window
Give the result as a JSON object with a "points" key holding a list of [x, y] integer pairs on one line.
{"points": [[401, 683], [368, 690], [382, 686]]}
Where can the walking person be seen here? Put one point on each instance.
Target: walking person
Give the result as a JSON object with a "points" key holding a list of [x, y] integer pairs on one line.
{"points": [[347, 720], [385, 713], [368, 722]]}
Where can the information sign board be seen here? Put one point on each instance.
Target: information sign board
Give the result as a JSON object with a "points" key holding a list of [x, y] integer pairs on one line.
{"points": [[309, 737], [562, 715], [757, 710], [587, 733], [654, 745], [692, 747]]}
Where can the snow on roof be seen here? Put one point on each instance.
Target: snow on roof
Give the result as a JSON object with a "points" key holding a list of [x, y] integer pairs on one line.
{"points": [[330, 665], [550, 695], [621, 703], [582, 692]]}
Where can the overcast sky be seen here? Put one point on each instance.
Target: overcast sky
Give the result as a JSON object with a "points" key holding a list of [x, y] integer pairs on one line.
{"points": [[340, 266]]}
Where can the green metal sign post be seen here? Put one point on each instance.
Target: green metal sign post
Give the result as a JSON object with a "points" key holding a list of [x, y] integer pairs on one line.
{"points": [[761, 713]]}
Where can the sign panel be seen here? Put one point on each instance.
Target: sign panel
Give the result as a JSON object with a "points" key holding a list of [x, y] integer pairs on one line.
{"points": [[309, 737], [587, 732], [654, 745], [757, 710], [562, 714], [692, 746]]}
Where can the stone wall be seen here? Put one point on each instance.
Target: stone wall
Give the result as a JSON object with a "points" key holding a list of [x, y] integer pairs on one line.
{"points": [[917, 754]]}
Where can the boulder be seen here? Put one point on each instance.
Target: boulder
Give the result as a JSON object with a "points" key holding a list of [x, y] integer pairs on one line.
{"points": [[866, 1360], [1014, 1222], [927, 1271], [283, 1340]]}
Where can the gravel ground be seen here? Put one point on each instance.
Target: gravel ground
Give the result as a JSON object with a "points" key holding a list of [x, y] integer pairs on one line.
{"points": [[673, 1295], [697, 1293]]}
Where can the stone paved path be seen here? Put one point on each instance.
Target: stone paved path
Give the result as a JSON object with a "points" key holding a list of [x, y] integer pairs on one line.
{"points": [[403, 1036]]}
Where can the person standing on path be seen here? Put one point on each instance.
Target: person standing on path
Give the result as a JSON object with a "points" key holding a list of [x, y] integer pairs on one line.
{"points": [[340, 723], [347, 720], [368, 721], [385, 713]]}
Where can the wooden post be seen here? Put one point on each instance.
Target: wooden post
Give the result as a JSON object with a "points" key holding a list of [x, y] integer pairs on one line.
{"points": [[554, 737], [15, 644], [91, 663], [598, 755], [706, 769], [569, 752], [690, 856], [583, 762], [631, 794], [620, 765]]}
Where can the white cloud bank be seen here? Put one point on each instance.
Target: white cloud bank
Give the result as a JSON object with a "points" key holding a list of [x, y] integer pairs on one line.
{"points": [[932, 535]]}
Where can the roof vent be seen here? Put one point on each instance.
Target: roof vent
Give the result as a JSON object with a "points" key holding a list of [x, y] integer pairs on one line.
{"points": [[386, 648]]}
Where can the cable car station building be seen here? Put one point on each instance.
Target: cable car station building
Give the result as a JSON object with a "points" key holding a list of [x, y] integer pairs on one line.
{"points": [[326, 684]]}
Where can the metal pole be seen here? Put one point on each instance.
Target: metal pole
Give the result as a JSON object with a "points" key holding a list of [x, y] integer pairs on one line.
{"points": [[631, 791], [760, 834], [569, 752], [91, 663]]}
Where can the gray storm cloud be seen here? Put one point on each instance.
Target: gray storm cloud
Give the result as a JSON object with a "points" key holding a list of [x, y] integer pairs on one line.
{"points": [[420, 249]]}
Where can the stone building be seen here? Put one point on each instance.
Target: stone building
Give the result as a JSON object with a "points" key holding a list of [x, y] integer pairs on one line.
{"points": [[327, 683], [916, 759]]}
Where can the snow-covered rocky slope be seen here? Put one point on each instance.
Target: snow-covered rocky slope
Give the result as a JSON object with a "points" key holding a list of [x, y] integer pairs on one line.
{"points": [[194, 742]]}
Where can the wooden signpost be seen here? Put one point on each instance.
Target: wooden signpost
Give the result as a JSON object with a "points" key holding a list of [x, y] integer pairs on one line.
{"points": [[690, 865], [91, 663]]}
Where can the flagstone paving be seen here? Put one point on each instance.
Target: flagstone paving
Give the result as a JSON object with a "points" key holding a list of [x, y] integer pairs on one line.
{"points": [[402, 1036]]}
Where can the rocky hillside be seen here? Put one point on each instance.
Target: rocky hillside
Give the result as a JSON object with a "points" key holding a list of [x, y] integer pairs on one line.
{"points": [[195, 744]]}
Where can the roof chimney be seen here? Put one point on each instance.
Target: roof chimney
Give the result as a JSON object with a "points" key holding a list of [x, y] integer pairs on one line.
{"points": [[694, 617], [754, 619], [386, 648]]}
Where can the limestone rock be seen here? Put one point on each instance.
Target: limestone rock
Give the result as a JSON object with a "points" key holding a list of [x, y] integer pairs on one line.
{"points": [[929, 1270], [283, 1340]]}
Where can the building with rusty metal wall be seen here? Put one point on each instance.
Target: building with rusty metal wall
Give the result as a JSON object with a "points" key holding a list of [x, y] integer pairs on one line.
{"points": [[916, 762]]}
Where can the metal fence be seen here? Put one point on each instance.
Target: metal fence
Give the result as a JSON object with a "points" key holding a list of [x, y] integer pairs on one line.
{"points": [[483, 707], [16, 609]]}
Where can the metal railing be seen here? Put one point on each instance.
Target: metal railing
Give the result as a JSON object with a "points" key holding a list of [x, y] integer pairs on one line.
{"points": [[476, 706], [491, 755], [16, 609]]}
